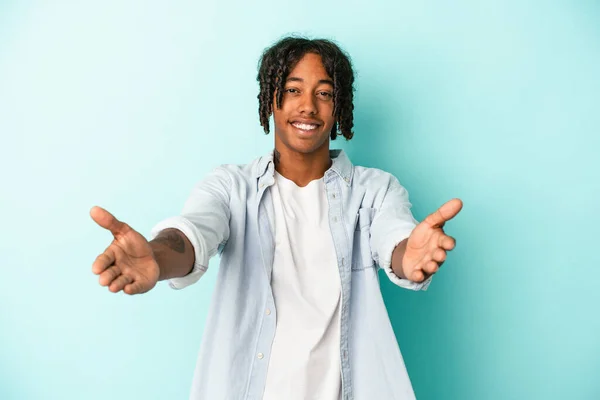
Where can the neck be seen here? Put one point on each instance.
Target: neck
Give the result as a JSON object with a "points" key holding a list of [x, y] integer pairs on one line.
{"points": [[302, 168]]}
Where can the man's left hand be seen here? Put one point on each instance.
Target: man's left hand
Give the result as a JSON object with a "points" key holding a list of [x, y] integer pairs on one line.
{"points": [[427, 245]]}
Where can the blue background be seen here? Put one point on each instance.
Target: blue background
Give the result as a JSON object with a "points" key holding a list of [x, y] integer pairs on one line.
{"points": [[128, 104]]}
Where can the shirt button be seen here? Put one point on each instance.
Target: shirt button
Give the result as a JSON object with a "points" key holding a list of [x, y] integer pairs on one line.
{"points": [[333, 196], [268, 311], [260, 356]]}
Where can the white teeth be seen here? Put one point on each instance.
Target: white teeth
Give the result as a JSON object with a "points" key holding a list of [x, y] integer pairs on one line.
{"points": [[305, 127]]}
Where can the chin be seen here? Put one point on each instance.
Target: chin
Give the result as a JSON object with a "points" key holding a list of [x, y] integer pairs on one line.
{"points": [[303, 149], [307, 147]]}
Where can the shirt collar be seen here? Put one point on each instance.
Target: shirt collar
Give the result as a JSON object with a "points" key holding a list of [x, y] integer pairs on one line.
{"points": [[341, 165]]}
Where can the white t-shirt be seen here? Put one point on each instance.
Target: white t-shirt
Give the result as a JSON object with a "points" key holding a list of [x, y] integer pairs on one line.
{"points": [[305, 355]]}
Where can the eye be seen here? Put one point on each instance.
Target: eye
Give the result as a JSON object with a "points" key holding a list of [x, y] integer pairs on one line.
{"points": [[292, 90], [326, 95]]}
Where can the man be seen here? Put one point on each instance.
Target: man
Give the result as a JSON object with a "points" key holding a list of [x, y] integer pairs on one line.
{"points": [[297, 311]]}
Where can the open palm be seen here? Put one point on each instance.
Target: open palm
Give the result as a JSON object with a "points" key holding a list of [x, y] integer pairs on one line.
{"points": [[427, 245], [128, 263]]}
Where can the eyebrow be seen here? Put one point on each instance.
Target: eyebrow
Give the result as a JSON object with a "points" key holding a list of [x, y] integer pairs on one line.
{"points": [[321, 81]]}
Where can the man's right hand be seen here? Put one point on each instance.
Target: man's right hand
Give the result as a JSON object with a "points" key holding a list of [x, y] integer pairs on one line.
{"points": [[128, 264]]}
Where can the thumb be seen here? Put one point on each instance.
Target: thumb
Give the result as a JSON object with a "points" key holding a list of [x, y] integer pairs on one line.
{"points": [[445, 213], [107, 220]]}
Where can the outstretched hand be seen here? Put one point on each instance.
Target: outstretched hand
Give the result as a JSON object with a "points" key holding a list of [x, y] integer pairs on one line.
{"points": [[128, 264], [427, 246]]}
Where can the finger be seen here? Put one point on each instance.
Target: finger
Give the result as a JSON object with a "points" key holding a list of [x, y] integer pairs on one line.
{"points": [[133, 288], [417, 276], [109, 275], [108, 221], [431, 267], [444, 213], [103, 261], [119, 283], [446, 242], [439, 255]]}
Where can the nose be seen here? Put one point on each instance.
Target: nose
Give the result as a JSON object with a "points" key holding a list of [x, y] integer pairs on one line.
{"points": [[308, 104]]}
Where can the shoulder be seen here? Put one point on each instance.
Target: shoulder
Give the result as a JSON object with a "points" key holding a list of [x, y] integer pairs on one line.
{"points": [[378, 187], [373, 178], [238, 173]]}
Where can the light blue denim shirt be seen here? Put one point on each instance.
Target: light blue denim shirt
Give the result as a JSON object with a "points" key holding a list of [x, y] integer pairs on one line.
{"points": [[231, 212]]}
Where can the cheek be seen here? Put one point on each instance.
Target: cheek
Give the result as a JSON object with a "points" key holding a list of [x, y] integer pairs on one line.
{"points": [[326, 111], [281, 124], [281, 114], [329, 121]]}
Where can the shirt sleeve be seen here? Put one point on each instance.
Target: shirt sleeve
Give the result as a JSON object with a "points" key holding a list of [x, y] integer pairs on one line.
{"points": [[204, 221], [393, 222]]}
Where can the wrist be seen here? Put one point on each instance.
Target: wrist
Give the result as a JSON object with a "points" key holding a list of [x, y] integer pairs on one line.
{"points": [[398, 258]]}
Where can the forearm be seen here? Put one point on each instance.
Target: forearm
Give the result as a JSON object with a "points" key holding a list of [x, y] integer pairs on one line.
{"points": [[174, 254], [397, 257]]}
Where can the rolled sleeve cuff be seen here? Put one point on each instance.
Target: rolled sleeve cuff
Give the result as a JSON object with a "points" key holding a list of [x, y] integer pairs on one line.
{"points": [[386, 264], [201, 261]]}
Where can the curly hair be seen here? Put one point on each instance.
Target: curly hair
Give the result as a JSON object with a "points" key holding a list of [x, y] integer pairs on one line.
{"points": [[278, 60]]}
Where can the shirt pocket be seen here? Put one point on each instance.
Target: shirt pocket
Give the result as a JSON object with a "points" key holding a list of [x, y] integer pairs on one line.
{"points": [[361, 252]]}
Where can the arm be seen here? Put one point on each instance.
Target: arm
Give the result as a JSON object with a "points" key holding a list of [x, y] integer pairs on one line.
{"points": [[409, 252], [187, 242], [174, 254], [180, 247], [392, 224], [133, 264]]}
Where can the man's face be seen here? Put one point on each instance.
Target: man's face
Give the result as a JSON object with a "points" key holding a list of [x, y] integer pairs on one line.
{"points": [[304, 121]]}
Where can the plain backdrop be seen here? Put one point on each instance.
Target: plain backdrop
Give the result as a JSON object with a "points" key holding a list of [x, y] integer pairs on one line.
{"points": [[127, 104]]}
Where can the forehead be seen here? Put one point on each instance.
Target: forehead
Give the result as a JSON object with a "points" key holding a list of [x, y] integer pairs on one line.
{"points": [[310, 67]]}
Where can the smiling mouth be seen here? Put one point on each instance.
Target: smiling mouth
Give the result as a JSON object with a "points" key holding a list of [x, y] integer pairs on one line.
{"points": [[305, 127]]}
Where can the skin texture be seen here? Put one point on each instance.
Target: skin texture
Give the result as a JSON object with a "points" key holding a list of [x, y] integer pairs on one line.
{"points": [[308, 98], [275, 66], [132, 264], [424, 252]]}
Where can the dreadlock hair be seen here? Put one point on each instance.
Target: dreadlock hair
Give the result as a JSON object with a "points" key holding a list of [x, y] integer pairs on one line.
{"points": [[278, 60]]}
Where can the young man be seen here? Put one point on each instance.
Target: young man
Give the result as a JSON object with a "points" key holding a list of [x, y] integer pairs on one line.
{"points": [[297, 311]]}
